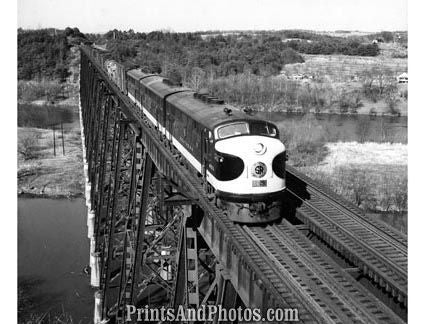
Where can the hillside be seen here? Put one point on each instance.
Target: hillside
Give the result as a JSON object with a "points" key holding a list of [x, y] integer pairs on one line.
{"points": [[48, 65]]}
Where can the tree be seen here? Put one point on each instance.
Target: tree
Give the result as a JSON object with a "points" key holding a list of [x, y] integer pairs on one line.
{"points": [[27, 146], [400, 197], [174, 74], [387, 36], [197, 78], [62, 73]]}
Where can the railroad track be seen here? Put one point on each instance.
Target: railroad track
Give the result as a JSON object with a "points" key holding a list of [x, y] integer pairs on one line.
{"points": [[389, 231], [339, 297], [323, 307], [281, 293], [286, 289], [317, 299], [379, 253]]}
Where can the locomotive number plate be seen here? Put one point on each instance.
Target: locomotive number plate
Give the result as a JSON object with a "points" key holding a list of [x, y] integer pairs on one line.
{"points": [[259, 183]]}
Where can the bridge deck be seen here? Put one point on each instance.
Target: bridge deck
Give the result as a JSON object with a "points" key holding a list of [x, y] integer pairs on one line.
{"points": [[274, 266]]}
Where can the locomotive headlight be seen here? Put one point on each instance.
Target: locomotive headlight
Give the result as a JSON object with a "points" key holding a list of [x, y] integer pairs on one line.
{"points": [[258, 170], [259, 148]]}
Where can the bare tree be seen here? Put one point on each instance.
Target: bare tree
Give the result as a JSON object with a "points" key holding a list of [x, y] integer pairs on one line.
{"points": [[400, 197], [27, 147], [197, 78], [357, 183]]}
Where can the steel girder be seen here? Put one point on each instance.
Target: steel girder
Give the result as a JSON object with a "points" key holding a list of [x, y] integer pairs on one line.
{"points": [[147, 221]]}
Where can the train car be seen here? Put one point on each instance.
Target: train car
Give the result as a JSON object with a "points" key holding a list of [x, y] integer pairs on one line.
{"points": [[241, 157], [117, 73]]}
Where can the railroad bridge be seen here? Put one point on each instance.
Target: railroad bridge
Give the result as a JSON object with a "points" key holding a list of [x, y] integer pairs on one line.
{"points": [[157, 239]]}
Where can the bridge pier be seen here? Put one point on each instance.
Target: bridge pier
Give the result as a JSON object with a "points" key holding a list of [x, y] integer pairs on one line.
{"points": [[95, 269], [98, 301], [90, 223], [92, 245]]}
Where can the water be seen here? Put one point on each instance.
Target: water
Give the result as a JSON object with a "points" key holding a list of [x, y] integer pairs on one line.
{"points": [[336, 127], [53, 249], [45, 116]]}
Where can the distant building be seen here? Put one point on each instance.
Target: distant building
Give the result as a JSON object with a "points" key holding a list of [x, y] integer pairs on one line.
{"points": [[282, 74], [301, 77], [296, 40], [402, 78], [297, 77]]}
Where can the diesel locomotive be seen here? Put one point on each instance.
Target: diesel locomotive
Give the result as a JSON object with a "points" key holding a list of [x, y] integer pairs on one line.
{"points": [[240, 158]]}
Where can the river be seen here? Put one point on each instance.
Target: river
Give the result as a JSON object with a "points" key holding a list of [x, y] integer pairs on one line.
{"points": [[327, 127], [341, 127], [53, 250]]}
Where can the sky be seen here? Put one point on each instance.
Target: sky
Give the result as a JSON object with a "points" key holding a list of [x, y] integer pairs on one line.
{"points": [[199, 15]]}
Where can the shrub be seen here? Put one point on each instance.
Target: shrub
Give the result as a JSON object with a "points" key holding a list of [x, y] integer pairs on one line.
{"points": [[27, 146], [30, 91], [307, 153], [392, 103]]}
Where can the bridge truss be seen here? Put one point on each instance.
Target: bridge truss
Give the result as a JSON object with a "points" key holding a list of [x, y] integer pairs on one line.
{"points": [[157, 239]]}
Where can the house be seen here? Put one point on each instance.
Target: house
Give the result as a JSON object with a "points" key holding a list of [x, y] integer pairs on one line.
{"points": [[297, 77], [296, 40], [402, 78]]}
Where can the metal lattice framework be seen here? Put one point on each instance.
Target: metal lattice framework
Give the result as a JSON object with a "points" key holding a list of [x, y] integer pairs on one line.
{"points": [[157, 239], [140, 214]]}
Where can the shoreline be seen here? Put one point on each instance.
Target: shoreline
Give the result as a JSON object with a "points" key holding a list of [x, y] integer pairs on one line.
{"points": [[44, 174], [31, 195]]}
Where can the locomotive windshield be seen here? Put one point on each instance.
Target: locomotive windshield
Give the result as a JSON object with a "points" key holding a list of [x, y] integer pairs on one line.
{"points": [[263, 129], [243, 128], [232, 130]]}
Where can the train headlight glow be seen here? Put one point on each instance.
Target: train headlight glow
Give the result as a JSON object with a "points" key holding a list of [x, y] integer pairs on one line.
{"points": [[259, 148], [258, 170]]}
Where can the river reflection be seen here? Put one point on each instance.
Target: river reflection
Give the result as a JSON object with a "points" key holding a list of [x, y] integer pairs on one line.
{"points": [[340, 127], [53, 249]]}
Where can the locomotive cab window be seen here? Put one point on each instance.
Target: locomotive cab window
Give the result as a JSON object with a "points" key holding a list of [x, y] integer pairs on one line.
{"points": [[263, 129], [234, 129]]}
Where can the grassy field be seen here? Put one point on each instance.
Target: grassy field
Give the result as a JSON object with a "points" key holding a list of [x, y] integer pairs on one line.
{"points": [[339, 76], [373, 154], [345, 68], [371, 175], [42, 173]]}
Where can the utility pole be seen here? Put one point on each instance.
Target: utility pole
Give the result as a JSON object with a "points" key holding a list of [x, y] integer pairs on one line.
{"points": [[54, 141], [63, 143]]}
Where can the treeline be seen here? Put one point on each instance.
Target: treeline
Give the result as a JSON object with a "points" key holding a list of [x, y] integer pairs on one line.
{"points": [[334, 45], [383, 36], [178, 53], [44, 54], [218, 54], [279, 94]]}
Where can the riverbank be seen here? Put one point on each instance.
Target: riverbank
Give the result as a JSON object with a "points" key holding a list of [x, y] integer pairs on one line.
{"points": [[41, 173]]}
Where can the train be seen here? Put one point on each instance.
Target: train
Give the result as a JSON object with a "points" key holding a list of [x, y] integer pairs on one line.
{"points": [[239, 157]]}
